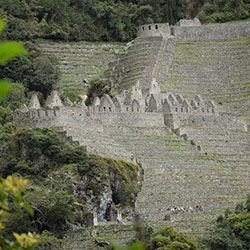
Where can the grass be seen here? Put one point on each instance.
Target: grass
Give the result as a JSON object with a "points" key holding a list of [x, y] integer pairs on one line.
{"points": [[237, 40], [236, 100], [221, 57], [212, 47], [209, 62], [237, 94]]}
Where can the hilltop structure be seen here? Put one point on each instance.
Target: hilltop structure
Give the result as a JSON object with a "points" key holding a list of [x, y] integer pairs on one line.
{"points": [[182, 113]]}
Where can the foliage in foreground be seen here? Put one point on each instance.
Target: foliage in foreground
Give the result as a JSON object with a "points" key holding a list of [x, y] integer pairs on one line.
{"points": [[8, 50], [11, 188], [11, 201], [231, 231]]}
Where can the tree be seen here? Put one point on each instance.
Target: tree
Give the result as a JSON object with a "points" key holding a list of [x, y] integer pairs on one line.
{"points": [[11, 188], [37, 72], [169, 239], [231, 231], [97, 88], [8, 50], [10, 201]]}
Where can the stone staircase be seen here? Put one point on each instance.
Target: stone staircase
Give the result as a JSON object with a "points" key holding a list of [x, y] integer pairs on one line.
{"points": [[81, 60]]}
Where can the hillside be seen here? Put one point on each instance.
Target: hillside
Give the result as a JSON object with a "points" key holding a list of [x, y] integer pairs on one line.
{"points": [[80, 62], [108, 20], [194, 150], [168, 139]]}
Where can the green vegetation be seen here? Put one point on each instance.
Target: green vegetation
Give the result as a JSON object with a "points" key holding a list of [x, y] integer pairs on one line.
{"points": [[36, 72], [97, 88], [73, 96], [169, 239], [8, 51], [164, 238], [107, 20], [214, 11], [231, 231], [12, 201], [56, 169], [11, 188]]}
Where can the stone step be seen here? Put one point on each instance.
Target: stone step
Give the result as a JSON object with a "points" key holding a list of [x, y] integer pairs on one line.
{"points": [[181, 194], [210, 205]]}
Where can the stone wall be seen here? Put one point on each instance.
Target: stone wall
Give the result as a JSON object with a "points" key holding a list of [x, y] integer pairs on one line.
{"points": [[157, 29], [213, 31], [189, 23], [155, 110], [193, 150], [192, 29]]}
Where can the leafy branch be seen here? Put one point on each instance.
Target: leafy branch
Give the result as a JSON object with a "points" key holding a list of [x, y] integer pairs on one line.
{"points": [[8, 50]]}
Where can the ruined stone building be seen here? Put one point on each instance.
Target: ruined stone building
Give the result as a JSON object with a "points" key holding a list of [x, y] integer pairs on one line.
{"points": [[182, 113]]}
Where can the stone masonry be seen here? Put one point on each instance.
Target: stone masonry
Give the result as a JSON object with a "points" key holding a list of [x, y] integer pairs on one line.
{"points": [[193, 148]]}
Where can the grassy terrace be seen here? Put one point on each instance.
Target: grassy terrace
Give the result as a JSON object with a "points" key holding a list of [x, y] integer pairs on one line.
{"points": [[232, 41], [175, 173], [218, 70], [81, 60]]}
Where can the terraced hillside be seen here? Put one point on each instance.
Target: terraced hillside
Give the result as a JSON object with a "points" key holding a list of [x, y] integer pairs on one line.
{"points": [[82, 60], [214, 173], [206, 164], [135, 63], [215, 69], [83, 238]]}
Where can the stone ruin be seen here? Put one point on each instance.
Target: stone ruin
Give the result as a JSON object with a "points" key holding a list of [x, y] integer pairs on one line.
{"points": [[192, 29], [177, 111], [144, 109]]}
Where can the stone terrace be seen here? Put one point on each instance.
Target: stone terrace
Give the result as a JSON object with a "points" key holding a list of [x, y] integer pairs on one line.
{"points": [[215, 69], [135, 63], [81, 60], [176, 173], [83, 238], [206, 165]]}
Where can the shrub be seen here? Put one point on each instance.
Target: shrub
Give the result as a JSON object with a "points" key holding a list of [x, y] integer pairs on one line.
{"points": [[73, 96], [97, 88], [15, 97], [48, 241], [5, 115], [230, 231], [36, 72], [169, 239]]}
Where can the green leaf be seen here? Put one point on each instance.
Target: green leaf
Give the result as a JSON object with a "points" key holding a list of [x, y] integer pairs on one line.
{"points": [[2, 25], [4, 88], [28, 208], [9, 50], [136, 246], [117, 246]]}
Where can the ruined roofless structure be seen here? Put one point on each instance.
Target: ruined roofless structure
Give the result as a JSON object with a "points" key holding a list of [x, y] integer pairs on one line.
{"points": [[182, 114]]}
